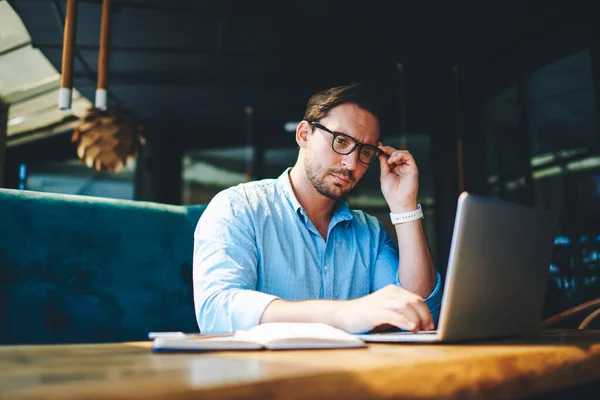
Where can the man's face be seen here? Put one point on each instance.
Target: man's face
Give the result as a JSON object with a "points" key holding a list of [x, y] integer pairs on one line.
{"points": [[334, 175]]}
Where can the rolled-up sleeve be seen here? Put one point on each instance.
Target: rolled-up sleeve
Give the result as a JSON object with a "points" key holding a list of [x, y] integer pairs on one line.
{"points": [[385, 272], [225, 267]]}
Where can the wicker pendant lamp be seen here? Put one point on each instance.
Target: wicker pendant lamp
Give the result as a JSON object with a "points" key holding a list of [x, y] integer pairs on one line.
{"points": [[107, 139]]}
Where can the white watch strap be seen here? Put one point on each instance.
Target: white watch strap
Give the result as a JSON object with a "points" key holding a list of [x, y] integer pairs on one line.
{"points": [[407, 216]]}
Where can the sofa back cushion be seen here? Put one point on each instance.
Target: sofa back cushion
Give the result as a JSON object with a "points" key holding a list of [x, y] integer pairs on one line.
{"points": [[77, 269]]}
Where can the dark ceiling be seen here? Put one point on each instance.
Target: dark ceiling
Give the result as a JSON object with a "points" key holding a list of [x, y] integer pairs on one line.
{"points": [[188, 68]]}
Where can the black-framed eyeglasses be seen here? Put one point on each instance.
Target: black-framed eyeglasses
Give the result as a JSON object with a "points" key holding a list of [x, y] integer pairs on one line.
{"points": [[344, 144]]}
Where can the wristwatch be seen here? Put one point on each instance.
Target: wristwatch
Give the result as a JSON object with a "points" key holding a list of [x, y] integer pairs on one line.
{"points": [[407, 216]]}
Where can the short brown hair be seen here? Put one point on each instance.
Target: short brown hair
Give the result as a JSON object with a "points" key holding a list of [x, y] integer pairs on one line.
{"points": [[358, 94]]}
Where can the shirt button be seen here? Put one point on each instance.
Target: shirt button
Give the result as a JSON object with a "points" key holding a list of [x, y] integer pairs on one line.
{"points": [[326, 268]]}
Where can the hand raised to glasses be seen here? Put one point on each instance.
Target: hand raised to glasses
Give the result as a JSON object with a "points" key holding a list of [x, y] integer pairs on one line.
{"points": [[399, 179], [390, 305]]}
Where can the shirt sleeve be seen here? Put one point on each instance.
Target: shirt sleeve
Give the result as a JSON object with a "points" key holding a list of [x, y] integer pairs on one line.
{"points": [[225, 267], [385, 271]]}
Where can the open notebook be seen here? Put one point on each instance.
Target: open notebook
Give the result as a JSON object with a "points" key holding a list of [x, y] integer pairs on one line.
{"points": [[273, 336]]}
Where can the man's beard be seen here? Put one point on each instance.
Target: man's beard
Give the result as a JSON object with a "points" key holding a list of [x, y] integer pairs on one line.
{"points": [[318, 182]]}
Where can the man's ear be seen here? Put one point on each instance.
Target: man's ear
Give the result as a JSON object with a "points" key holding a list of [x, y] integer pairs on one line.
{"points": [[303, 132]]}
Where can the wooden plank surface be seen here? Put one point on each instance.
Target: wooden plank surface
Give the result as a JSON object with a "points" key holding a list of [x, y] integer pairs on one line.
{"points": [[494, 370]]}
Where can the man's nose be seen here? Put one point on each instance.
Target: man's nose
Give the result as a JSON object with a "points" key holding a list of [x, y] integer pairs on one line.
{"points": [[350, 161]]}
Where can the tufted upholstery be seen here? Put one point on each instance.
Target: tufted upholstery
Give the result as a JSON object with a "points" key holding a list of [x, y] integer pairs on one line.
{"points": [[77, 269]]}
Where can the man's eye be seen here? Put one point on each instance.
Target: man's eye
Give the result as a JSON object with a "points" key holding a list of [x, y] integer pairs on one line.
{"points": [[367, 152], [341, 140]]}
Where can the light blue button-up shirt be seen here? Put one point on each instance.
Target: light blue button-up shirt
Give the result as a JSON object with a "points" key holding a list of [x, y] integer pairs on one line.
{"points": [[254, 243]]}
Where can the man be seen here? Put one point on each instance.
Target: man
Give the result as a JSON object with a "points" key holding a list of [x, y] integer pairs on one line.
{"points": [[290, 249]]}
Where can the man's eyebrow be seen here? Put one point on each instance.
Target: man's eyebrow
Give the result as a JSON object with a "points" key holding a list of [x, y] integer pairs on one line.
{"points": [[353, 138], [344, 133]]}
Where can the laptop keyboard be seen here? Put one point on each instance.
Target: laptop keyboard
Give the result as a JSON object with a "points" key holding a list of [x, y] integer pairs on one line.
{"points": [[404, 333]]}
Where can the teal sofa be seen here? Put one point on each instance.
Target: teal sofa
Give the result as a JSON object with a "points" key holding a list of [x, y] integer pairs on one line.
{"points": [[76, 269]]}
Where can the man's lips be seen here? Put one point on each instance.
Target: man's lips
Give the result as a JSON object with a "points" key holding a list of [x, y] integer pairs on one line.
{"points": [[342, 179]]}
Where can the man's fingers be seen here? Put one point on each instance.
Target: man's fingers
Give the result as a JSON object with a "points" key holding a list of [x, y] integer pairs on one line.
{"points": [[412, 306], [424, 315], [407, 310], [386, 149], [383, 164], [391, 151], [393, 318], [401, 157], [416, 306], [392, 158]]}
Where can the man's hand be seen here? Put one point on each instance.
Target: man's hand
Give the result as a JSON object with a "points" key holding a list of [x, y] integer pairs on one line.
{"points": [[391, 305], [399, 179]]}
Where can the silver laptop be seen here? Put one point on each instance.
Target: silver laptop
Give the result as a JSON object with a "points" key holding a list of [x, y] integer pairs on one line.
{"points": [[497, 273]]}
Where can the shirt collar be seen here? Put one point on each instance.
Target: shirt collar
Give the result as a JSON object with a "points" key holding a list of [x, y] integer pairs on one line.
{"points": [[341, 212], [285, 185]]}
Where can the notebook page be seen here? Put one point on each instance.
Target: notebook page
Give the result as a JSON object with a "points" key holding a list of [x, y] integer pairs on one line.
{"points": [[299, 335]]}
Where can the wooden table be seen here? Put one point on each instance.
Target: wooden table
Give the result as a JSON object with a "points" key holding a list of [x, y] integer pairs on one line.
{"points": [[495, 370]]}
